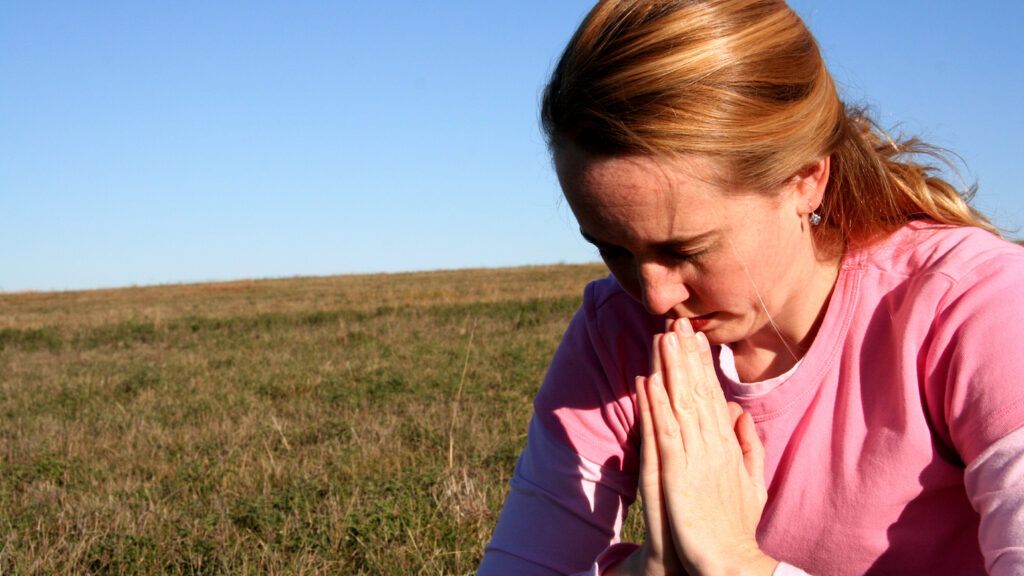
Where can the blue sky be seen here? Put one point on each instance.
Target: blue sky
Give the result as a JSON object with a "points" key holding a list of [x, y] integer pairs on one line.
{"points": [[160, 142]]}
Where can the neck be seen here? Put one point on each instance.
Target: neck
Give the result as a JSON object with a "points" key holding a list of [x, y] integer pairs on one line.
{"points": [[787, 335]]}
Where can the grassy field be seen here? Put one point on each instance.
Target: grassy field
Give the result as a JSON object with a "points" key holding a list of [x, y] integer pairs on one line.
{"points": [[345, 425]]}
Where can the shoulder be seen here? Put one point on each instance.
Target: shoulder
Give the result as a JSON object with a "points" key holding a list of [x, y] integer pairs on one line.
{"points": [[926, 249], [953, 297], [909, 278], [586, 400], [606, 297], [606, 305], [619, 329]]}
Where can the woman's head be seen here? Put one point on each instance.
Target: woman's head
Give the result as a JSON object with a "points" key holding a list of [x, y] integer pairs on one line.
{"points": [[740, 82]]}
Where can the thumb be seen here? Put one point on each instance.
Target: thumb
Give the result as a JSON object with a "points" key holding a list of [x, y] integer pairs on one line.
{"points": [[734, 412], [753, 450]]}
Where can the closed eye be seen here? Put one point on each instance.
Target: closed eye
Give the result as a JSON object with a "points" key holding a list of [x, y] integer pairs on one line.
{"points": [[612, 252], [684, 255], [668, 252], [607, 251]]}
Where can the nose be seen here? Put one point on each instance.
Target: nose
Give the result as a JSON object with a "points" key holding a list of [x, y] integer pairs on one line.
{"points": [[661, 287]]}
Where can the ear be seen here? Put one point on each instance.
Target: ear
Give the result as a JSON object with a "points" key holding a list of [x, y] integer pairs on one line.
{"points": [[809, 186]]}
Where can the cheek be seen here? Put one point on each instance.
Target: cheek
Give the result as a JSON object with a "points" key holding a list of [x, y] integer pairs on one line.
{"points": [[717, 287]]}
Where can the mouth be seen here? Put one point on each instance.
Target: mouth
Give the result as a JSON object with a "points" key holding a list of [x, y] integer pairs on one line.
{"points": [[699, 323]]}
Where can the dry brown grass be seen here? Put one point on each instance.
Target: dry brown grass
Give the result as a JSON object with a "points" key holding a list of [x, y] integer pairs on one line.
{"points": [[356, 425], [290, 295]]}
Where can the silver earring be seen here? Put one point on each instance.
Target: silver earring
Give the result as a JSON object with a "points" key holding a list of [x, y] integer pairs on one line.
{"points": [[815, 219]]}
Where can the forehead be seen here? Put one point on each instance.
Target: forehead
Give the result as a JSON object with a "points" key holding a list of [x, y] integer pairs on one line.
{"points": [[670, 195], [586, 175]]}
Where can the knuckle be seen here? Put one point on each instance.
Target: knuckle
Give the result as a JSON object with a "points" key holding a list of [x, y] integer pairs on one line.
{"points": [[703, 390], [671, 429], [685, 408]]}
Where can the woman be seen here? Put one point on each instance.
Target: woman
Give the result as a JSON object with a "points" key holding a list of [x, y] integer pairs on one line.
{"points": [[806, 357]]}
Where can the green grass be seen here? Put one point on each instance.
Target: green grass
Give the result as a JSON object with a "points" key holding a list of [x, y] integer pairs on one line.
{"points": [[346, 425]]}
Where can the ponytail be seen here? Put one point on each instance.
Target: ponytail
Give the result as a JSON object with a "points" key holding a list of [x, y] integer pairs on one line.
{"points": [[878, 184]]}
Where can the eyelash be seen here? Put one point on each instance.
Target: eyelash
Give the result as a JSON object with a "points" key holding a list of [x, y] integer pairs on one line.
{"points": [[614, 252], [687, 256], [608, 252]]}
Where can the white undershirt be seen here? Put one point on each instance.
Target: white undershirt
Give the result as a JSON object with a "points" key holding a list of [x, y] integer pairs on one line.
{"points": [[727, 364]]}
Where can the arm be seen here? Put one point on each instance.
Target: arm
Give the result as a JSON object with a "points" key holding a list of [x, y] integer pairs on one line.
{"points": [[561, 513], [973, 392], [995, 486], [577, 475]]}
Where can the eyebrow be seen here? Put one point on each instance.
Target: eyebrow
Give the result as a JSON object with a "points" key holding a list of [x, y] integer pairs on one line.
{"points": [[690, 241]]}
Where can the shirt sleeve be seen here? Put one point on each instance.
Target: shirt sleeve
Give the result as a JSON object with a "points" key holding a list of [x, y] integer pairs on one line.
{"points": [[973, 391], [561, 514], [995, 487], [784, 569], [586, 401], [578, 473], [974, 364]]}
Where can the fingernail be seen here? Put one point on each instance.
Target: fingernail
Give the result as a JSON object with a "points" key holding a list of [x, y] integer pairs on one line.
{"points": [[703, 339], [685, 325], [672, 339], [655, 381]]}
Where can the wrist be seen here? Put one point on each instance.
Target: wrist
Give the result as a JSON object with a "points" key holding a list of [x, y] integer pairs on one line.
{"points": [[642, 562], [751, 563], [631, 565], [622, 566], [761, 565]]}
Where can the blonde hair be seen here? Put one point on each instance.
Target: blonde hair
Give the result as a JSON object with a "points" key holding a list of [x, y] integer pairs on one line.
{"points": [[742, 81]]}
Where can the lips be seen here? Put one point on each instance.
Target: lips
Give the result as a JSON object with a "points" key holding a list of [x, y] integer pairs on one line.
{"points": [[700, 322]]}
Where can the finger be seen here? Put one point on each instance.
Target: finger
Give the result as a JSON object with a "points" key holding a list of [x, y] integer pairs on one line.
{"points": [[657, 366], [707, 365], [675, 379], [698, 359], [713, 385], [672, 451], [669, 363], [650, 471], [735, 410], [648, 445], [753, 451], [656, 353], [704, 389]]}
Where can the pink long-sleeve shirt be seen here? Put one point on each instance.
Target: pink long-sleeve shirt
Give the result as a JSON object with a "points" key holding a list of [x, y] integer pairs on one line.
{"points": [[894, 447]]}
